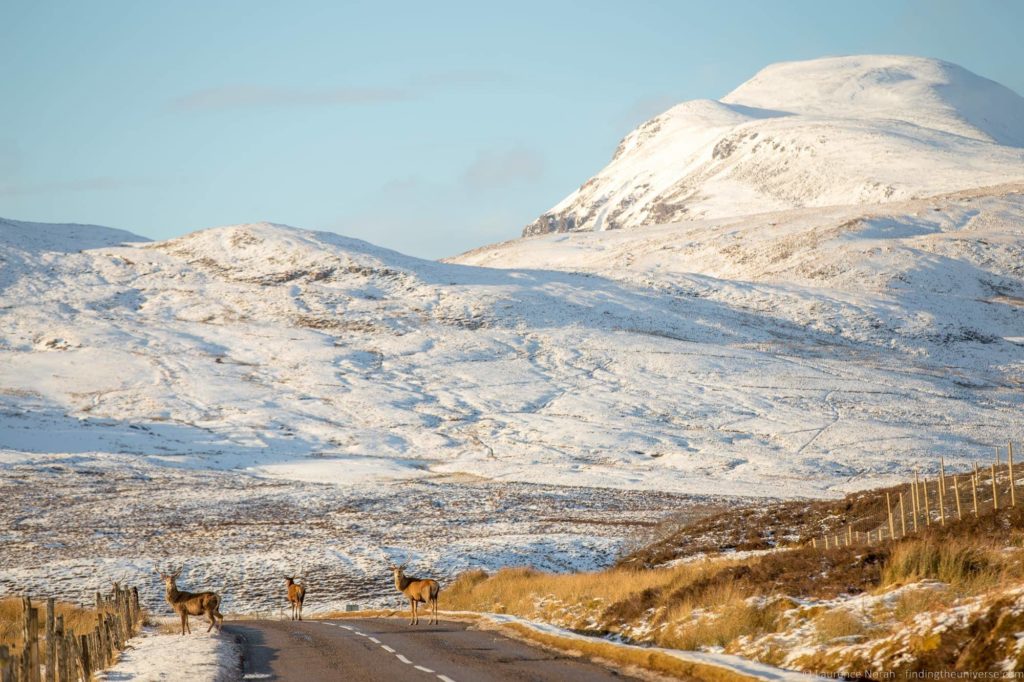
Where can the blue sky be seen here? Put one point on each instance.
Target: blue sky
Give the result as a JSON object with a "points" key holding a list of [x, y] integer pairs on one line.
{"points": [[430, 128]]}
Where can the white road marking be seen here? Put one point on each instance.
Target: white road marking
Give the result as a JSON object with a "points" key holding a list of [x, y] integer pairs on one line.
{"points": [[385, 647]]}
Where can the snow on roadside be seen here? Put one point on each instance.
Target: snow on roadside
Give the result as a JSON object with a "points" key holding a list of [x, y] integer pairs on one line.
{"points": [[155, 655], [734, 664]]}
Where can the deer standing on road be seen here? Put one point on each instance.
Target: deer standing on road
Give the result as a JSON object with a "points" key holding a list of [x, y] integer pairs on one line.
{"points": [[296, 595], [417, 591], [187, 604]]}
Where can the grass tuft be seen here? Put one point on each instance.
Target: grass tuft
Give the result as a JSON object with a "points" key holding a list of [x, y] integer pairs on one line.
{"points": [[967, 565]]}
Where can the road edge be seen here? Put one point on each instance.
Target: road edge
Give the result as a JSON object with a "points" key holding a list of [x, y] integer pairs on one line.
{"points": [[627, 658]]}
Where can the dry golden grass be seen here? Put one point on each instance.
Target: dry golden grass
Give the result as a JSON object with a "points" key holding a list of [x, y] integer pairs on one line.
{"points": [[966, 564], [839, 624], [520, 590], [910, 604], [699, 605], [79, 621]]}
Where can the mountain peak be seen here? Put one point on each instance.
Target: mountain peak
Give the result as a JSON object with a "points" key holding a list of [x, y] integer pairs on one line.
{"points": [[834, 131], [927, 92]]}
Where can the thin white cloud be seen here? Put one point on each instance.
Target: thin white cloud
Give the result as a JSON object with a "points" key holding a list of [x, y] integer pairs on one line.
{"points": [[645, 109], [500, 168], [97, 184], [460, 78], [254, 96], [85, 185]]}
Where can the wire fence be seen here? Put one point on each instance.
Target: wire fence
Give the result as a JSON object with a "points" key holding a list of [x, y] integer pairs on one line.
{"points": [[923, 502]]}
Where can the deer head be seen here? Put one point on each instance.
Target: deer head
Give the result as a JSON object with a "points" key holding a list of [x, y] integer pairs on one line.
{"points": [[170, 578]]}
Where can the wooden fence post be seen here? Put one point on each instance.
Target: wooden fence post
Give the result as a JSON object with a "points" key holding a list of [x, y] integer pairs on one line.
{"points": [[103, 647], [942, 504], [83, 653], [927, 507], [917, 491], [892, 527], [126, 615], [849, 534], [974, 490], [1013, 485], [114, 632], [72, 644], [31, 616], [942, 476], [913, 503], [6, 665], [75, 657], [136, 611], [956, 492], [51, 644], [903, 518], [995, 490], [62, 665]]}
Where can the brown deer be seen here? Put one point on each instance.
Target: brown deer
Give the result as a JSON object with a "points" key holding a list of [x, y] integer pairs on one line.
{"points": [[296, 595], [417, 590], [187, 604]]}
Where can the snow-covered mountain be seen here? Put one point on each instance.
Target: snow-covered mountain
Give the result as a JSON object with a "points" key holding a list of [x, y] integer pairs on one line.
{"points": [[843, 130]]}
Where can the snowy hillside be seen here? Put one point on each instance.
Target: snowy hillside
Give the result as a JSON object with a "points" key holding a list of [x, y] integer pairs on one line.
{"points": [[315, 357], [832, 131]]}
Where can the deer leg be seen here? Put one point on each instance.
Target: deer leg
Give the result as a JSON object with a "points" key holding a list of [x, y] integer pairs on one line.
{"points": [[412, 605], [300, 610], [213, 619], [434, 605], [184, 623]]}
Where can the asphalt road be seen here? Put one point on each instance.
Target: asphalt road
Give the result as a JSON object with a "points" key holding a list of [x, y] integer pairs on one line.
{"points": [[390, 650]]}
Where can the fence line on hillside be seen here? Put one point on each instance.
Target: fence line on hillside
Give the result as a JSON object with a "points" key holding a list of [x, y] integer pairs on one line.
{"points": [[63, 655], [917, 497]]}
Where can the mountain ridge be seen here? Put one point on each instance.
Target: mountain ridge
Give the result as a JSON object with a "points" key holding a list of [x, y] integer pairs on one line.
{"points": [[833, 131]]}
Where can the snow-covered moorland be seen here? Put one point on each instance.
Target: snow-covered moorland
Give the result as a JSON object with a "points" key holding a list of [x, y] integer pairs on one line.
{"points": [[226, 391]]}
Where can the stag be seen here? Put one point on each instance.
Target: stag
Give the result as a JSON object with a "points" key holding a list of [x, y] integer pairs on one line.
{"points": [[187, 604], [417, 591], [296, 595]]}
